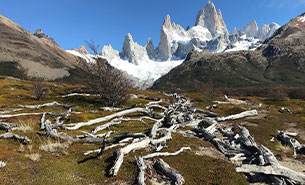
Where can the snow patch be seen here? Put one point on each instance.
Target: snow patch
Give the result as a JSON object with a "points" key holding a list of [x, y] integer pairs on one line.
{"points": [[302, 19], [249, 43], [148, 70]]}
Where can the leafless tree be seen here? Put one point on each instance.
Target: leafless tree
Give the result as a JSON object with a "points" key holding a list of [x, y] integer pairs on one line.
{"points": [[93, 47], [104, 80], [209, 90], [22, 72], [39, 88]]}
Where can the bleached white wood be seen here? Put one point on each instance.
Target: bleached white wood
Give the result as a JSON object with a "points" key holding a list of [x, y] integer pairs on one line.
{"points": [[158, 154], [75, 126]]}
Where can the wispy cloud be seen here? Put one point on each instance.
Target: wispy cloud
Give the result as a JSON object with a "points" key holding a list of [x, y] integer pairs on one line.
{"points": [[284, 3]]}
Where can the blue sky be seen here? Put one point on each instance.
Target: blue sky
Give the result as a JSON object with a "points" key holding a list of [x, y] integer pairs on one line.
{"points": [[70, 22]]}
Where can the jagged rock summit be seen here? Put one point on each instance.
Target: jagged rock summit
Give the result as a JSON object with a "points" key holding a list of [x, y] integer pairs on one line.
{"points": [[39, 33], [211, 19], [208, 34]]}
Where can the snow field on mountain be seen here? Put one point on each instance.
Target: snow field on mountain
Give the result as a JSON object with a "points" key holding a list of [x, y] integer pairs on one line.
{"points": [[148, 70]]}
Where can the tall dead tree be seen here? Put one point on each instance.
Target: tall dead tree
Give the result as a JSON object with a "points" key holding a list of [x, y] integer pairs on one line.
{"points": [[104, 80]]}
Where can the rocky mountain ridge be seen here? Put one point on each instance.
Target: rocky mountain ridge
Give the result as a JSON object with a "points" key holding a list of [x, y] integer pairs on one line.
{"points": [[280, 60], [37, 53], [208, 34]]}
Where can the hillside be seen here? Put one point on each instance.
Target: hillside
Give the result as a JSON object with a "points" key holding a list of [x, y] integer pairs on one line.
{"points": [[279, 61], [39, 54]]}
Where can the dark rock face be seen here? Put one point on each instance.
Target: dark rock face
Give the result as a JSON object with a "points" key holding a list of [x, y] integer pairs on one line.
{"points": [[39, 33], [279, 61]]}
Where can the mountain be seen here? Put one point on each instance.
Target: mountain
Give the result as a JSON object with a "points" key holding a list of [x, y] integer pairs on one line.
{"points": [[280, 60], [208, 34], [36, 52]]}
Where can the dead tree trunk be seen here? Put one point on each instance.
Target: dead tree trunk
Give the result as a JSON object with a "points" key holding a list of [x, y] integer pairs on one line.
{"points": [[163, 168]]}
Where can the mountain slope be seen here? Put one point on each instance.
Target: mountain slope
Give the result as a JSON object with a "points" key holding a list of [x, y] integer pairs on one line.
{"points": [[38, 54], [279, 61]]}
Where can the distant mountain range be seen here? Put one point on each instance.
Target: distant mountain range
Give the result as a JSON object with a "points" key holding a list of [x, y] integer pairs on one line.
{"points": [[184, 58], [280, 60], [148, 63]]}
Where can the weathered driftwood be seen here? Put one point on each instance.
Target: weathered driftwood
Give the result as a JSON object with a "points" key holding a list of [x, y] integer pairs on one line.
{"points": [[157, 124], [141, 168], [158, 154], [122, 136], [106, 148], [21, 114], [9, 111], [86, 134], [234, 101], [7, 126], [118, 121], [276, 170], [75, 126], [208, 113], [53, 104], [293, 143], [76, 94], [110, 109], [163, 168], [24, 140], [105, 126], [239, 116], [119, 154]]}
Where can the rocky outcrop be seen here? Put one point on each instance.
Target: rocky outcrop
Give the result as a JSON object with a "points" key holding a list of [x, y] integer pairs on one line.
{"points": [[133, 51], [109, 53], [152, 52], [211, 19], [251, 29], [82, 50], [267, 31], [165, 44], [39, 33]]}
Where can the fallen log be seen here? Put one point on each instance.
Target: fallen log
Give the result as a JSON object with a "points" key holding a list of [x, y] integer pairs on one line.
{"points": [[7, 126], [238, 116], [276, 170], [24, 140], [75, 126], [119, 154], [141, 168], [9, 111], [163, 168], [158, 154], [122, 136], [21, 114], [293, 143], [157, 124], [208, 113], [118, 121], [53, 104], [110, 109], [106, 148]]}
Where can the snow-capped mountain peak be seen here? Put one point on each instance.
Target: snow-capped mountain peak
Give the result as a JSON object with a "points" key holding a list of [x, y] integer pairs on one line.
{"points": [[211, 19], [210, 33]]}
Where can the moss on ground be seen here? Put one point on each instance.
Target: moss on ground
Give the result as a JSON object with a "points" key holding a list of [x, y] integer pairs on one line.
{"points": [[64, 167]]}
